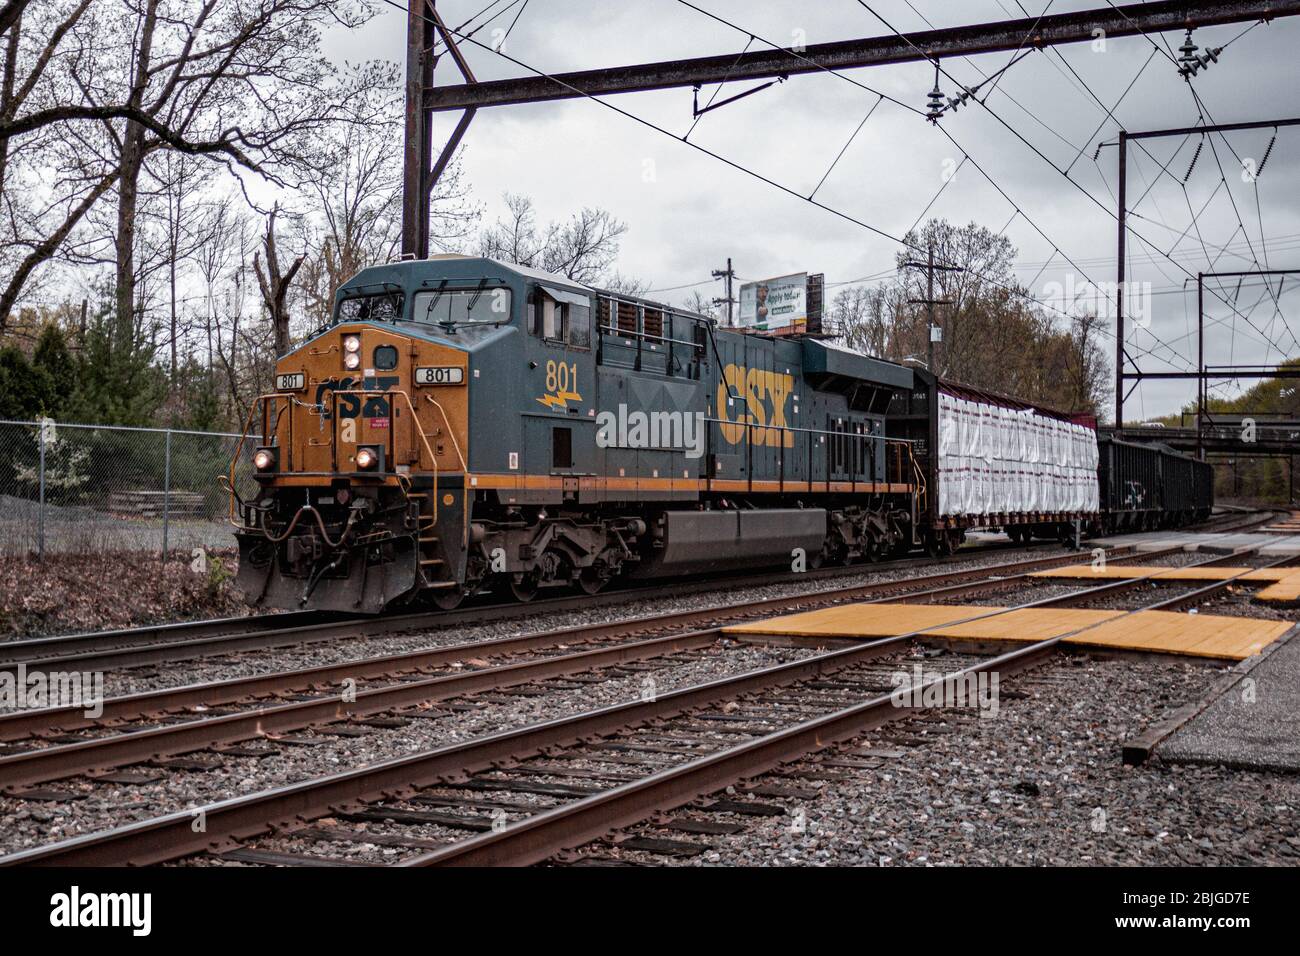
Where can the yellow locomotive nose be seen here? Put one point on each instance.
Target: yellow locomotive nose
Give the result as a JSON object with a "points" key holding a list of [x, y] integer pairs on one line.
{"points": [[365, 428]]}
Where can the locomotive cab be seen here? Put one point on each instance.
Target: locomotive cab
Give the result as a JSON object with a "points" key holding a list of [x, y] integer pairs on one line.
{"points": [[360, 454]]}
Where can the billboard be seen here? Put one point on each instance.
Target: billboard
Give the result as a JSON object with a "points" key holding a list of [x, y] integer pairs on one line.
{"points": [[775, 304]]}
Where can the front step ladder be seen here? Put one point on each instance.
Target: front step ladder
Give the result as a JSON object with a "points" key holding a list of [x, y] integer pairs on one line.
{"points": [[425, 538]]}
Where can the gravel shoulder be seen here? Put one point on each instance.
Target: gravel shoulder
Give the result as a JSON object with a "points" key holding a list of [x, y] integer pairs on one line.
{"points": [[1040, 784]]}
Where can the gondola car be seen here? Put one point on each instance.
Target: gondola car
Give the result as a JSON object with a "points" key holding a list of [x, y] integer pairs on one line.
{"points": [[1147, 486]]}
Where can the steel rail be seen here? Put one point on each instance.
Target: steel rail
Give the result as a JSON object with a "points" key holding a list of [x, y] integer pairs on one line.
{"points": [[105, 650], [544, 834], [370, 627], [64, 760], [173, 835], [124, 648], [21, 724], [169, 740]]}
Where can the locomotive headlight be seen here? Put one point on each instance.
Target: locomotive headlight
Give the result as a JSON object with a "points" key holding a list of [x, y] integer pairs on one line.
{"points": [[352, 343], [351, 360], [264, 459], [366, 459]]}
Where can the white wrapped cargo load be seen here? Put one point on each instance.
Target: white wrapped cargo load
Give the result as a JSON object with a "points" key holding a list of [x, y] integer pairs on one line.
{"points": [[996, 460]]}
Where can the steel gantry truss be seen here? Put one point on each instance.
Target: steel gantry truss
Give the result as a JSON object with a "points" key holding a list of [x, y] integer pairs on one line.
{"points": [[423, 100], [1202, 375]]}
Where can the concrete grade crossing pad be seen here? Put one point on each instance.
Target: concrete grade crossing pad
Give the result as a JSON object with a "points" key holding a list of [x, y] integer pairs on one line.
{"points": [[1166, 632], [1276, 545], [1251, 724]]}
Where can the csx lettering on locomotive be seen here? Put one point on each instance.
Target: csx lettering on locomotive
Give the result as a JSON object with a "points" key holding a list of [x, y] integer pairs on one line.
{"points": [[764, 394], [349, 406]]}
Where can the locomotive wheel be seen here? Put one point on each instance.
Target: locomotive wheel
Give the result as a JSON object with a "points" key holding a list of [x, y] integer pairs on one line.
{"points": [[589, 582], [449, 599], [524, 591]]}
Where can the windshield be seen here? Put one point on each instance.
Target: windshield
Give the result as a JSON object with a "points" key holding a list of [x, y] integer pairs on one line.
{"points": [[462, 306], [381, 307]]}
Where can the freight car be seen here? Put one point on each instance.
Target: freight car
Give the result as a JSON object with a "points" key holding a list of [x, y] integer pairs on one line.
{"points": [[1147, 486], [464, 425], [991, 461]]}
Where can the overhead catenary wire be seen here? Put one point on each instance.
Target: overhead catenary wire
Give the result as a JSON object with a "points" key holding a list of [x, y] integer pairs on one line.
{"points": [[983, 172], [1019, 293], [1038, 152]]}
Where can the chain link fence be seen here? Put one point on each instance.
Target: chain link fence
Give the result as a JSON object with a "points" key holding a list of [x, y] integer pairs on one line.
{"points": [[67, 488]]}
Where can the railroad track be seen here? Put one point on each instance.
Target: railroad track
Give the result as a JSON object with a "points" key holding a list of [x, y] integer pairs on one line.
{"points": [[157, 724], [628, 760], [139, 647]]}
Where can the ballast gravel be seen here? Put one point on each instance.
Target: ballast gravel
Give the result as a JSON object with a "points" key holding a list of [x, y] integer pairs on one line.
{"points": [[1042, 783], [25, 823]]}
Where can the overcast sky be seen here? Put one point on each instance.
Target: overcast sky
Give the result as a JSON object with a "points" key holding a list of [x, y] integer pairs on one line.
{"points": [[687, 212]]}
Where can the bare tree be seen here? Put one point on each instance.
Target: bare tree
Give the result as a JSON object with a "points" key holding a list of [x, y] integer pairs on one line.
{"points": [[995, 336], [243, 84], [701, 304], [354, 219], [177, 176], [584, 247], [866, 318], [274, 284]]}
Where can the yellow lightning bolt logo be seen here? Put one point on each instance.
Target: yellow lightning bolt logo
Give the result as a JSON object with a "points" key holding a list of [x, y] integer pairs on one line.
{"points": [[560, 399]]}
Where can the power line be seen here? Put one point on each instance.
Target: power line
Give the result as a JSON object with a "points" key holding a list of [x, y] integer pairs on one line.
{"points": [[1016, 133], [966, 154], [740, 167]]}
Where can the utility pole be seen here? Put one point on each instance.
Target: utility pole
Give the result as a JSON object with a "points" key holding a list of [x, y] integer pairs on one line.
{"points": [[933, 331], [729, 274], [420, 170]]}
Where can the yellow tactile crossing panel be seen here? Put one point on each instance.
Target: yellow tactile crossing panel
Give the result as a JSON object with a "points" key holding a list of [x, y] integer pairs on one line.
{"points": [[1197, 635], [1283, 583], [1121, 572], [1286, 591]]}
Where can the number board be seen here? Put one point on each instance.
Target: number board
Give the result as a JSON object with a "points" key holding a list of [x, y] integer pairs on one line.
{"points": [[440, 375]]}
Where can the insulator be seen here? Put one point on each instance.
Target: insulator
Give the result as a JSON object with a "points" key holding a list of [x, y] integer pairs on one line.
{"points": [[936, 98], [1268, 149], [1188, 62], [1097, 155], [1195, 156], [936, 104]]}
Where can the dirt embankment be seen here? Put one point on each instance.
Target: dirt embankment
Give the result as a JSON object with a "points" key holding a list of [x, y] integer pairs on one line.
{"points": [[90, 592]]}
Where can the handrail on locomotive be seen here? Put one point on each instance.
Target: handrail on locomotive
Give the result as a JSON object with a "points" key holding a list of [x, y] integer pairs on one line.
{"points": [[270, 434]]}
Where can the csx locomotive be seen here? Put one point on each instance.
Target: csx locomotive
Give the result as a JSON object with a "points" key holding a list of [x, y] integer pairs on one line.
{"points": [[465, 425]]}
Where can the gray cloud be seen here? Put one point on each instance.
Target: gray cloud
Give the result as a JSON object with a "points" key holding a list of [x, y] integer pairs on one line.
{"points": [[687, 212]]}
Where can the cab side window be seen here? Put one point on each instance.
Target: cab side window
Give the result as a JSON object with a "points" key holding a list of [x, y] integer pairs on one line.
{"points": [[580, 326], [554, 320], [567, 322]]}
